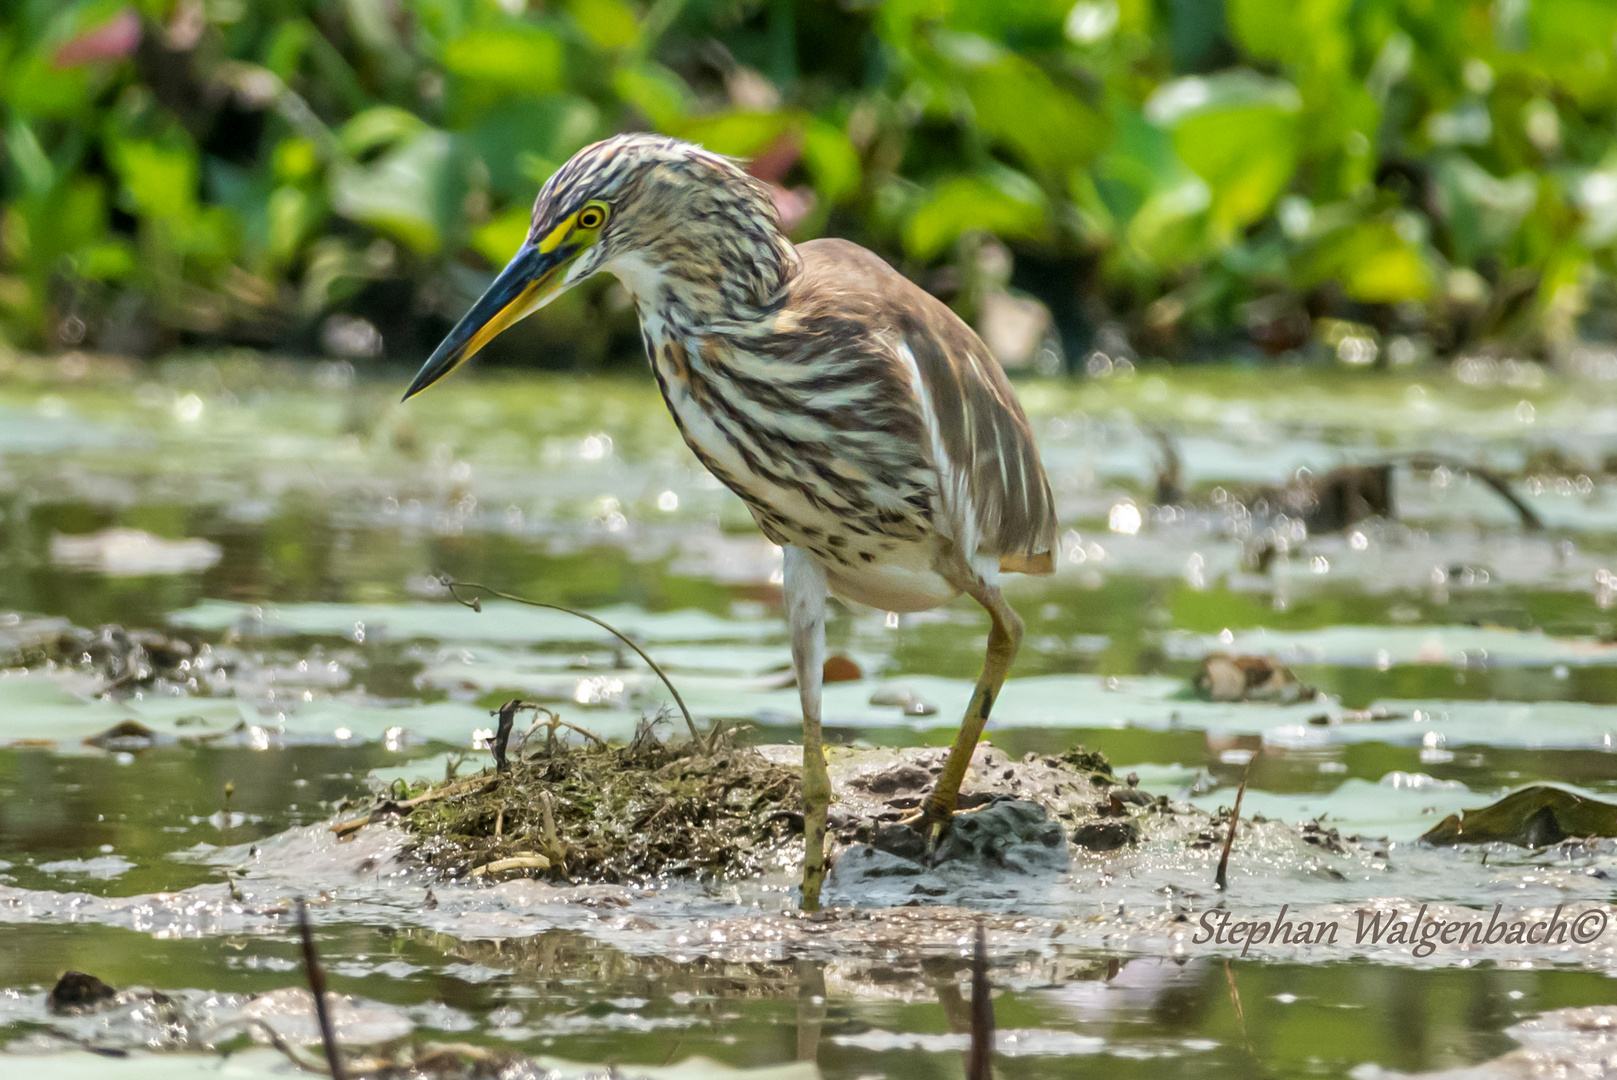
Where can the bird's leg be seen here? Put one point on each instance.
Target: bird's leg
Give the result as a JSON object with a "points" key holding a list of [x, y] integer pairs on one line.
{"points": [[805, 590], [1003, 639]]}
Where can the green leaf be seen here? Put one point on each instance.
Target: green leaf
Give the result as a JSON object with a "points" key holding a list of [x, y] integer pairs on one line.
{"points": [[1017, 104], [1373, 262], [656, 93], [1536, 816], [550, 129], [608, 23], [293, 215], [407, 194], [498, 238], [295, 160], [1274, 29], [106, 260], [739, 134], [160, 180], [28, 158], [1006, 205], [832, 160], [1171, 228], [519, 57], [381, 126], [1239, 132], [1483, 212], [1572, 42]]}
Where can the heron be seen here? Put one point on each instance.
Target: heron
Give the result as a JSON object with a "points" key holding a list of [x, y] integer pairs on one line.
{"points": [[868, 429]]}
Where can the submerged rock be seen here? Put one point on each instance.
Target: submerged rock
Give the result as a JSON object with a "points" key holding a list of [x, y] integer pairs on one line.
{"points": [[1106, 835], [77, 992]]}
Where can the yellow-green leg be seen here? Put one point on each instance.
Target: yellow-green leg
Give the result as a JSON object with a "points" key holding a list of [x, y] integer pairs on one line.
{"points": [[805, 590], [1004, 638]]}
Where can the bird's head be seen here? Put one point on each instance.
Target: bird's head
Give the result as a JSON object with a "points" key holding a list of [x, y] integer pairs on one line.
{"points": [[683, 228]]}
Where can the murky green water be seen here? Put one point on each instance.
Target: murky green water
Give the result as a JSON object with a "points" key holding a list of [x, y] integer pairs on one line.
{"points": [[292, 518]]}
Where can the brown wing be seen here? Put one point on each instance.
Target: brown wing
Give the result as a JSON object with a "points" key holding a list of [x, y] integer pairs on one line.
{"points": [[973, 419]]}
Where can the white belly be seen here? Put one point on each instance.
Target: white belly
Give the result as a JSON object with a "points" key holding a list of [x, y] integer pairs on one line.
{"points": [[895, 585]]}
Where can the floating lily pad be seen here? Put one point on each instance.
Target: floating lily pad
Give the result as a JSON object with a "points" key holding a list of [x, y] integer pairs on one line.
{"points": [[1532, 817]]}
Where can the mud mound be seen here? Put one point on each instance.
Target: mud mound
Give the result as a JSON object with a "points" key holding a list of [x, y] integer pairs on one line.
{"points": [[647, 811]]}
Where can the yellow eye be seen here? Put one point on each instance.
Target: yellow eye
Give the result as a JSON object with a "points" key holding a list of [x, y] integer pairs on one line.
{"points": [[592, 216]]}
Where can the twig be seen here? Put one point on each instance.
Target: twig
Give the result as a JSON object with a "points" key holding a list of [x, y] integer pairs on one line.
{"points": [[1423, 460], [507, 714], [343, 828], [982, 1012], [527, 861], [502, 735], [269, 1032], [1219, 881], [1171, 475], [317, 986], [476, 605], [552, 846]]}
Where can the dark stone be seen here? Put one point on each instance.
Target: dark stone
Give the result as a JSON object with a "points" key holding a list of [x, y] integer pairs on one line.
{"points": [[900, 840], [1106, 835], [986, 837], [76, 992], [869, 863], [1007, 840]]}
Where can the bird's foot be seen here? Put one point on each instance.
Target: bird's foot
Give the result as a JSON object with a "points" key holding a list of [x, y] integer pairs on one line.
{"points": [[932, 822]]}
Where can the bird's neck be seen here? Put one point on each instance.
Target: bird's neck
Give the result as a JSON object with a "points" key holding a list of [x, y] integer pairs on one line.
{"points": [[677, 287]]}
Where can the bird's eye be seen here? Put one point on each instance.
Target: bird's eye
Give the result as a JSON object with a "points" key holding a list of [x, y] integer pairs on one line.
{"points": [[592, 216]]}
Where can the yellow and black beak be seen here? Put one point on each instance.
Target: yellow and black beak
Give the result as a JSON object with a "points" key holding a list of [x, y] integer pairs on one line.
{"points": [[523, 286]]}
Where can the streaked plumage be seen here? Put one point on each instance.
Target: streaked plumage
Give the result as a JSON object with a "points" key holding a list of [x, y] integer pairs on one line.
{"points": [[868, 429]]}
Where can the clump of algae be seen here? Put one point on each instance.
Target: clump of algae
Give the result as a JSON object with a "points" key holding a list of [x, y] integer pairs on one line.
{"points": [[620, 814]]}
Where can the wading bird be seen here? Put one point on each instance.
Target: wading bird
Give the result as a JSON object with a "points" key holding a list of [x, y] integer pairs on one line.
{"points": [[868, 429]]}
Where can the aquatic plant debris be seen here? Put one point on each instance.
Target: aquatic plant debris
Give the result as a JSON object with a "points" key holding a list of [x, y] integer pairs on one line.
{"points": [[628, 813], [645, 811], [1535, 816]]}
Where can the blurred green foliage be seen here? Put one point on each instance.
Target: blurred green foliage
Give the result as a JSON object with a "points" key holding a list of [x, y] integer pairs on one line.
{"points": [[1184, 175]]}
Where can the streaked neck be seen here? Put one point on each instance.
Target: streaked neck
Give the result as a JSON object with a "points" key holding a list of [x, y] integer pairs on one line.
{"points": [[690, 294]]}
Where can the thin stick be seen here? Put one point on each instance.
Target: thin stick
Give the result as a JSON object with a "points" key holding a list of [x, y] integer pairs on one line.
{"points": [[982, 1012], [343, 828], [1219, 881], [524, 861], [317, 985], [211, 1036], [1421, 459], [476, 605]]}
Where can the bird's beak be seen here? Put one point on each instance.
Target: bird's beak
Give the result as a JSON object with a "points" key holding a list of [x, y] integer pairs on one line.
{"points": [[525, 285]]}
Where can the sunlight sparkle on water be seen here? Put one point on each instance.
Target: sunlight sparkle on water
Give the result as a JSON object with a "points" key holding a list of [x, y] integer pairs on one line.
{"points": [[188, 408], [1124, 518]]}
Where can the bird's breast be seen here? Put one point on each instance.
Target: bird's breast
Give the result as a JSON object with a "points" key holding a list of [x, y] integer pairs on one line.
{"points": [[856, 498]]}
